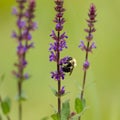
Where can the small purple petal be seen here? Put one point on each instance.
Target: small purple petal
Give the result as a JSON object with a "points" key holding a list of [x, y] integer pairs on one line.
{"points": [[63, 36], [58, 27], [26, 76], [29, 36], [53, 46], [86, 65], [53, 35], [31, 45], [52, 56], [21, 49], [14, 11], [93, 45], [62, 91], [57, 76], [64, 60], [24, 63], [82, 45], [89, 37], [34, 25], [14, 34], [21, 24], [16, 74], [62, 45], [27, 14]]}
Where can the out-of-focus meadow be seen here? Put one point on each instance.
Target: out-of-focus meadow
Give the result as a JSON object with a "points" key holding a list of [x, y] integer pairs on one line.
{"points": [[103, 78]]}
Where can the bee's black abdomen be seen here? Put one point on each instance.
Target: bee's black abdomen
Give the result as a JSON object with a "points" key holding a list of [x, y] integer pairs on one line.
{"points": [[66, 69], [68, 65]]}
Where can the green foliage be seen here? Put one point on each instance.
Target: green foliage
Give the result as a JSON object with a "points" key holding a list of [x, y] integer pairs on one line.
{"points": [[6, 105], [55, 116], [45, 118], [54, 91], [23, 97], [79, 105], [2, 77], [65, 110]]}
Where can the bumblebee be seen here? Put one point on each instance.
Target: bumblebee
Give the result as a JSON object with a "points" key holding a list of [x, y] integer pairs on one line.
{"points": [[69, 65]]}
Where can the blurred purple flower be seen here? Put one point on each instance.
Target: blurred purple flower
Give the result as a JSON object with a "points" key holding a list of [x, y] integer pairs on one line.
{"points": [[25, 25], [14, 34], [21, 24], [14, 11]]}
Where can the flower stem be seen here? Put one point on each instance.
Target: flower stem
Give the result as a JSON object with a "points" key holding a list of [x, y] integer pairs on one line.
{"points": [[8, 118], [58, 70], [19, 102], [84, 76]]}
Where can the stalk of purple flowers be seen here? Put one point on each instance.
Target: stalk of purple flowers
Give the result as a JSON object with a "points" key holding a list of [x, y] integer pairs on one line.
{"points": [[90, 45], [25, 24], [56, 48]]}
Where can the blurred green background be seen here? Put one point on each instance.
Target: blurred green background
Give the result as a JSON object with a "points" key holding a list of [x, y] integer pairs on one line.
{"points": [[103, 78]]}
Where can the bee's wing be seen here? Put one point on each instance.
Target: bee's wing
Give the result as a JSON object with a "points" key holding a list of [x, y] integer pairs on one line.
{"points": [[71, 70]]}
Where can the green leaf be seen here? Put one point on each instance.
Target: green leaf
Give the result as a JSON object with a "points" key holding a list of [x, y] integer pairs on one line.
{"points": [[2, 77], [79, 105], [65, 110], [45, 118], [6, 105], [75, 117], [54, 91], [55, 116], [23, 97]]}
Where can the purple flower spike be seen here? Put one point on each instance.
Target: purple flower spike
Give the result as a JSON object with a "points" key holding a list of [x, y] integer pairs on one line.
{"points": [[55, 49], [89, 46], [59, 40], [25, 25], [89, 30]]}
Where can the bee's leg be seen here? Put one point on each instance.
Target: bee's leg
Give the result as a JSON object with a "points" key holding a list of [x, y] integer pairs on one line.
{"points": [[71, 70]]}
